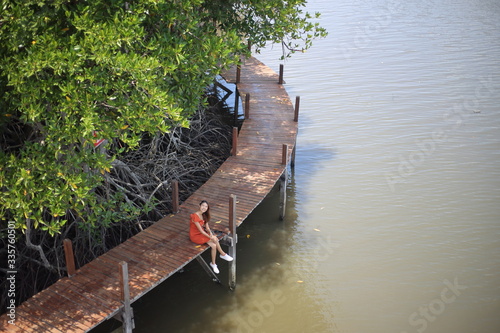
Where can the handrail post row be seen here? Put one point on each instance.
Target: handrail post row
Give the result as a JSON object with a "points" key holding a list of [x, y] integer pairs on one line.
{"points": [[280, 79], [234, 239], [175, 196], [69, 256], [283, 182], [247, 106], [234, 149], [127, 312]]}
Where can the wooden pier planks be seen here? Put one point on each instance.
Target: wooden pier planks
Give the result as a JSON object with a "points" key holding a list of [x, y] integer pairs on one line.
{"points": [[92, 295]]}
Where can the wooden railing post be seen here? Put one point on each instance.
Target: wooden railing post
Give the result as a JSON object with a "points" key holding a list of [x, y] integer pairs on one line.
{"points": [[175, 196], [297, 105], [234, 239], [238, 73], [234, 150], [280, 80], [284, 155], [127, 312], [69, 256], [236, 105], [247, 106]]}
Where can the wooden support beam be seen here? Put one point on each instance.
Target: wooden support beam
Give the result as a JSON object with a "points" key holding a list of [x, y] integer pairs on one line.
{"points": [[232, 247], [234, 150], [127, 313], [297, 105], [223, 87], [207, 269], [70, 257], [283, 183], [280, 79], [292, 159], [175, 196], [247, 106]]}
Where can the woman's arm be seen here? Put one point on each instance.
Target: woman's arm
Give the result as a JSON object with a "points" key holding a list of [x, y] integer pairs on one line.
{"points": [[203, 232], [212, 236], [208, 229]]}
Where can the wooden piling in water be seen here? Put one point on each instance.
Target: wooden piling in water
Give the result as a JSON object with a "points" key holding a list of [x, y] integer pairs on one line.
{"points": [[234, 239], [69, 257], [283, 182], [296, 119], [292, 159]]}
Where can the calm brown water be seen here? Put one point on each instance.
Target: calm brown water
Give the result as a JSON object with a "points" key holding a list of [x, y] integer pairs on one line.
{"points": [[393, 221]]}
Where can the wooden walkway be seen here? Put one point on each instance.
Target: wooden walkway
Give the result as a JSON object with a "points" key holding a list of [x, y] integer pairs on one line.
{"points": [[93, 295]]}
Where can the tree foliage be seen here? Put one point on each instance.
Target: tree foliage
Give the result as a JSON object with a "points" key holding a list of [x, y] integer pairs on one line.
{"points": [[73, 71]]}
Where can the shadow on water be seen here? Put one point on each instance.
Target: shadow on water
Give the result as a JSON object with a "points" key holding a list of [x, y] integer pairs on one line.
{"points": [[310, 158]]}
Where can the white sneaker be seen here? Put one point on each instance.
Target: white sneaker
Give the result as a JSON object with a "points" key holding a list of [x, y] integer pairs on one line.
{"points": [[215, 268], [226, 257]]}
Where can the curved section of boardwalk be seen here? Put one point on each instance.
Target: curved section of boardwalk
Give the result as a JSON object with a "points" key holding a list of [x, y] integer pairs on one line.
{"points": [[92, 295]]}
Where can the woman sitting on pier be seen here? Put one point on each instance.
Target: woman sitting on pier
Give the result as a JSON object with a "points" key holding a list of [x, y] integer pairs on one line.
{"points": [[200, 233]]}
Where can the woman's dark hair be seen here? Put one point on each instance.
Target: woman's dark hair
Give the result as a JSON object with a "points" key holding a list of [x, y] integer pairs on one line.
{"points": [[206, 215]]}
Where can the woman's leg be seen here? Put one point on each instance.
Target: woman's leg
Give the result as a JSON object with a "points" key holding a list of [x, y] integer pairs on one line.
{"points": [[213, 250], [219, 248]]}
